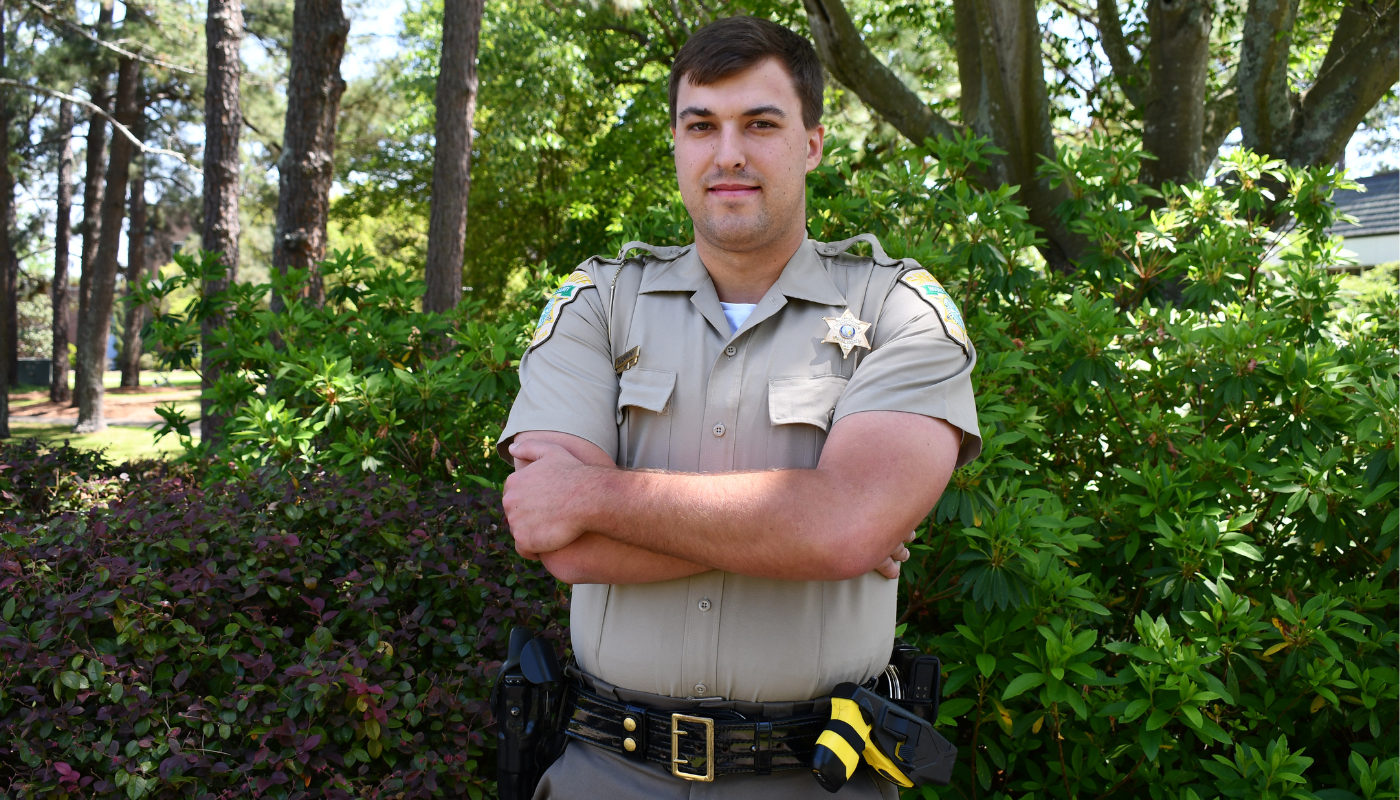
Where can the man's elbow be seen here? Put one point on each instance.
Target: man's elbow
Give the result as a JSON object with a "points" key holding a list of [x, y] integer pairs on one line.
{"points": [[564, 567], [852, 556]]}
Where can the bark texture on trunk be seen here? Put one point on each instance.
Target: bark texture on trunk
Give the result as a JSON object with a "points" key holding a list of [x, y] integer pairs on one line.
{"points": [[223, 122], [1004, 97], [7, 203], [130, 357], [93, 177], [92, 338], [1312, 128], [306, 167], [456, 105], [62, 234], [1173, 111]]}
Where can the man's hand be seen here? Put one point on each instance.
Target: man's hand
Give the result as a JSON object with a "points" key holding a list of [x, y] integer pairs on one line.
{"points": [[890, 566], [547, 483]]}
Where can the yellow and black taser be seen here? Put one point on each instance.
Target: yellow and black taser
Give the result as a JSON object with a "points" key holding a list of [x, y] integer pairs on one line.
{"points": [[900, 746]]}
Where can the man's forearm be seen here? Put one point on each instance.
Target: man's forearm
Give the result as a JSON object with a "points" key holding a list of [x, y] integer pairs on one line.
{"points": [[789, 524], [597, 559]]}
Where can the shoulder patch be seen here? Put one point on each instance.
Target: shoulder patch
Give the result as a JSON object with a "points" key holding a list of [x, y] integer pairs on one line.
{"points": [[935, 295], [567, 292]]}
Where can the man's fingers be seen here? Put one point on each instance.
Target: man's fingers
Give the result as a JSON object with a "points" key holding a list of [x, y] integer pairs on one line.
{"points": [[530, 450], [890, 569], [911, 537]]}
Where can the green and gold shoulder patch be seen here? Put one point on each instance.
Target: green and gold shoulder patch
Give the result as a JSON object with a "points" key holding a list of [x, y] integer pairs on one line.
{"points": [[935, 295], [567, 292]]}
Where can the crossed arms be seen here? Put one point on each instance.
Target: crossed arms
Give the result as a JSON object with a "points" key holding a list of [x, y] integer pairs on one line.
{"points": [[879, 474]]}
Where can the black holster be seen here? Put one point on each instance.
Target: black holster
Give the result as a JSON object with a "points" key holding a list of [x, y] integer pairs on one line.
{"points": [[527, 701]]}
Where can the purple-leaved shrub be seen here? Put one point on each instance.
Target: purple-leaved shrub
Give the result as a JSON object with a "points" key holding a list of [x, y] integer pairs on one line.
{"points": [[312, 636]]}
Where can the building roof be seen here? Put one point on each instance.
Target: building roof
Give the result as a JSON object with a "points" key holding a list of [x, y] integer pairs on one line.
{"points": [[1377, 210]]}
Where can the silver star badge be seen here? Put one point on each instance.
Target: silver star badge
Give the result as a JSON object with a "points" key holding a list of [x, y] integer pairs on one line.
{"points": [[847, 331]]}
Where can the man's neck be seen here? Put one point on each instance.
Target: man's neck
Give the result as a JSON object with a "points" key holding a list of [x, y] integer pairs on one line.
{"points": [[744, 277]]}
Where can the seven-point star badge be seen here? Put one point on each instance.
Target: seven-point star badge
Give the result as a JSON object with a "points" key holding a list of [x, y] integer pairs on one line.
{"points": [[846, 331]]}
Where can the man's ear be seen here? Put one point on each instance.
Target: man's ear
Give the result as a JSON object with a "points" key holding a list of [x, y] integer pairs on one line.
{"points": [[816, 142]]}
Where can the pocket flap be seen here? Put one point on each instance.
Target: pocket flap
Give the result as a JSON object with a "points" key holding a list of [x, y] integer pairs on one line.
{"points": [[645, 388], [808, 400]]}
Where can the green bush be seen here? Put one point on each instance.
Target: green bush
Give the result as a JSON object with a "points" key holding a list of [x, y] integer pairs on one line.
{"points": [[278, 636], [1172, 571], [365, 383]]}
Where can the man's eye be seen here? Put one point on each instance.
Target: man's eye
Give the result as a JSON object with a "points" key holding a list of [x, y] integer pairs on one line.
{"points": [[700, 126]]}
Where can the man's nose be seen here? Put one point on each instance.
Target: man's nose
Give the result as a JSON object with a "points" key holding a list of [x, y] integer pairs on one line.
{"points": [[730, 153]]}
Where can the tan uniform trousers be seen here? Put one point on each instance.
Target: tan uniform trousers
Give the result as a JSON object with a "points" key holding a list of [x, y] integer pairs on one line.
{"points": [[585, 771]]}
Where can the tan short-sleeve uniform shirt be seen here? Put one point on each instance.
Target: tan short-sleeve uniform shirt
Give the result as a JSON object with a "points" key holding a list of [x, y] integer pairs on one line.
{"points": [[697, 398]]}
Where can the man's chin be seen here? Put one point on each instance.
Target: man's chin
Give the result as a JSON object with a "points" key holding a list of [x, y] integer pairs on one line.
{"points": [[738, 235]]}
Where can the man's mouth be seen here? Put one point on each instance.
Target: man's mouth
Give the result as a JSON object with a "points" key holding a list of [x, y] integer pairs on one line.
{"points": [[733, 190]]}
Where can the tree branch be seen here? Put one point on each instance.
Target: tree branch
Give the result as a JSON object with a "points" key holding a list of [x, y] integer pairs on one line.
{"points": [[96, 109], [74, 28], [1130, 75], [1359, 68], [851, 62]]}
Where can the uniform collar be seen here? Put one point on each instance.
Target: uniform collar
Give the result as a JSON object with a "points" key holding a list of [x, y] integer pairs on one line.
{"points": [[805, 277]]}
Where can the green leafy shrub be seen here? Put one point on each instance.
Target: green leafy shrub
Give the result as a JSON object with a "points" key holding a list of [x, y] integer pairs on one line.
{"points": [[280, 636], [1172, 572], [365, 383]]}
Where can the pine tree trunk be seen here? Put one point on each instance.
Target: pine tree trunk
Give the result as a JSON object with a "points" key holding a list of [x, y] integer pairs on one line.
{"points": [[94, 330], [306, 168], [6, 205], [223, 119], [63, 232], [130, 357], [456, 105], [93, 186]]}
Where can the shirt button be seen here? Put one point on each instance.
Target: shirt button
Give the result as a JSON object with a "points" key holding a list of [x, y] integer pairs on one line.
{"points": [[719, 429], [704, 604], [731, 350], [699, 688]]}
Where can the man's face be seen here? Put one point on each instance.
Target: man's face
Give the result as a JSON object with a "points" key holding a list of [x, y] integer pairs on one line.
{"points": [[742, 157]]}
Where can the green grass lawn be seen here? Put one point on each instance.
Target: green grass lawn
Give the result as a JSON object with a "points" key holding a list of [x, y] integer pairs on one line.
{"points": [[122, 443], [175, 379]]}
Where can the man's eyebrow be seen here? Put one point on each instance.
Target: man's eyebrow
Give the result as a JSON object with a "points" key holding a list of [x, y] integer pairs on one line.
{"points": [[769, 110], [695, 111]]}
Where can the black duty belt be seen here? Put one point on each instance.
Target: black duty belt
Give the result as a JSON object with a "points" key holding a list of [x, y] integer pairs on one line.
{"points": [[696, 747]]}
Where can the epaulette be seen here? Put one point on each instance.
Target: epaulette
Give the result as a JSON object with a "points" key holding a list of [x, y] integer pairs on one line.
{"points": [[877, 251]]}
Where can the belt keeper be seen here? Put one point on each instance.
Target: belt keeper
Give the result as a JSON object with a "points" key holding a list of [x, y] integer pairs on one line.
{"points": [[763, 747], [637, 716]]}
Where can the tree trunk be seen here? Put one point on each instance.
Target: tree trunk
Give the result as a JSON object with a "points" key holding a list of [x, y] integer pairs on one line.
{"points": [[306, 168], [1312, 128], [62, 234], [223, 121], [1004, 97], [1173, 112], [130, 356], [6, 206], [93, 187], [456, 105], [94, 330]]}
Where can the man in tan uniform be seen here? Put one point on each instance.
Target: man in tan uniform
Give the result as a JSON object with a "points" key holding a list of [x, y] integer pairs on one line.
{"points": [[724, 447]]}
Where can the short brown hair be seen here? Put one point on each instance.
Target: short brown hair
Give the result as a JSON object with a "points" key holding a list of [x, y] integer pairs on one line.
{"points": [[734, 44]]}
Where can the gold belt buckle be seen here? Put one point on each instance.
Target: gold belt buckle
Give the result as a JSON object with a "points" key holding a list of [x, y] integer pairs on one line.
{"points": [[676, 760]]}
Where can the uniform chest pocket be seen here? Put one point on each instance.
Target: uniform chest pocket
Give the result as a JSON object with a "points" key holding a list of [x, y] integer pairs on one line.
{"points": [[648, 389], [806, 400]]}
